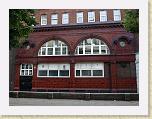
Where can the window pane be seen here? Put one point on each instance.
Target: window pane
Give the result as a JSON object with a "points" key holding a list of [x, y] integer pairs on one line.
{"points": [[50, 44], [96, 50], [88, 42], [29, 66], [95, 42], [64, 72], [86, 72], [103, 49], [26, 72], [77, 72], [50, 51], [63, 50], [53, 72], [80, 17], [42, 72], [30, 72], [26, 66], [57, 51], [43, 51], [97, 73], [87, 49], [22, 72], [80, 50], [23, 66]]}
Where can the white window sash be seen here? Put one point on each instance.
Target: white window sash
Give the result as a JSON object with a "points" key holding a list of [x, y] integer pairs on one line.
{"points": [[44, 20], [91, 16]]}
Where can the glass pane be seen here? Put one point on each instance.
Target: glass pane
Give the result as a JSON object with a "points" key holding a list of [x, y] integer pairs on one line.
{"points": [[103, 49], [64, 72], [23, 66], [97, 73], [50, 51], [29, 66], [86, 72], [63, 44], [30, 72], [43, 51], [77, 72], [50, 44], [26, 66], [96, 50], [26, 72], [57, 43], [80, 50], [22, 72], [63, 50], [58, 51], [87, 49], [53, 72], [95, 42], [42, 72], [88, 42]]}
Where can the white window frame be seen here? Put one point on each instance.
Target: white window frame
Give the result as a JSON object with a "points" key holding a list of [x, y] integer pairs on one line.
{"points": [[103, 16], [26, 69], [54, 19], [91, 16], [79, 16], [85, 66], [65, 18], [101, 45], [43, 19], [54, 66], [117, 15], [46, 47]]}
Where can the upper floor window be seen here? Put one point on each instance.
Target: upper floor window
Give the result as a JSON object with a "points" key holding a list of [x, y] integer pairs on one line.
{"points": [[92, 46], [54, 19], [103, 15], [26, 70], [53, 48], [91, 16], [117, 15], [43, 19], [79, 17], [65, 18]]}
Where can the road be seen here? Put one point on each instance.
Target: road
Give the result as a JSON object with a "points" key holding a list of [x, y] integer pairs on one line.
{"points": [[67, 102]]}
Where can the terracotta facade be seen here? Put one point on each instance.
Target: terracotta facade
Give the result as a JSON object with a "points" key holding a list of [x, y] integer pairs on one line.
{"points": [[119, 61]]}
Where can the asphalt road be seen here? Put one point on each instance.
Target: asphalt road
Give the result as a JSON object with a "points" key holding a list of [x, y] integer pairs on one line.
{"points": [[67, 102]]}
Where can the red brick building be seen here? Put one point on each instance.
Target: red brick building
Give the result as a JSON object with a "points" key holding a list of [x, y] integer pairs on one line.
{"points": [[77, 50]]}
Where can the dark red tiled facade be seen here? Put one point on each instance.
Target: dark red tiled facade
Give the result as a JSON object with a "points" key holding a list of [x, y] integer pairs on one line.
{"points": [[115, 79]]}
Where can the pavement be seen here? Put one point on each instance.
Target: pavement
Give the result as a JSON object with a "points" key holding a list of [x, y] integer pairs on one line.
{"points": [[68, 102]]}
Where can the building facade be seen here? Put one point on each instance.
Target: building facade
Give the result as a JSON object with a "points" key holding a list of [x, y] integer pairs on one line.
{"points": [[78, 50]]}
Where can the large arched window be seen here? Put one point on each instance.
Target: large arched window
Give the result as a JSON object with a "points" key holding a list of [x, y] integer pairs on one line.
{"points": [[53, 48], [92, 46]]}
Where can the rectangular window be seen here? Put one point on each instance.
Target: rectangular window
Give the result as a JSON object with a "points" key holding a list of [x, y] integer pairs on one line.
{"points": [[117, 15], [91, 16], [80, 50], [26, 70], [103, 16], [53, 70], [44, 20], [87, 49], [57, 51], [79, 17], [89, 70], [65, 18], [64, 50], [54, 19]]}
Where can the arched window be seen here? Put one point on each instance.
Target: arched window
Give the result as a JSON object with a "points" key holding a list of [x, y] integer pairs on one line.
{"points": [[53, 48], [92, 46]]}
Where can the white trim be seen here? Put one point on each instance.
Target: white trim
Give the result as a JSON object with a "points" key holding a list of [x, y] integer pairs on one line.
{"points": [[91, 16], [79, 15], [116, 13]]}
